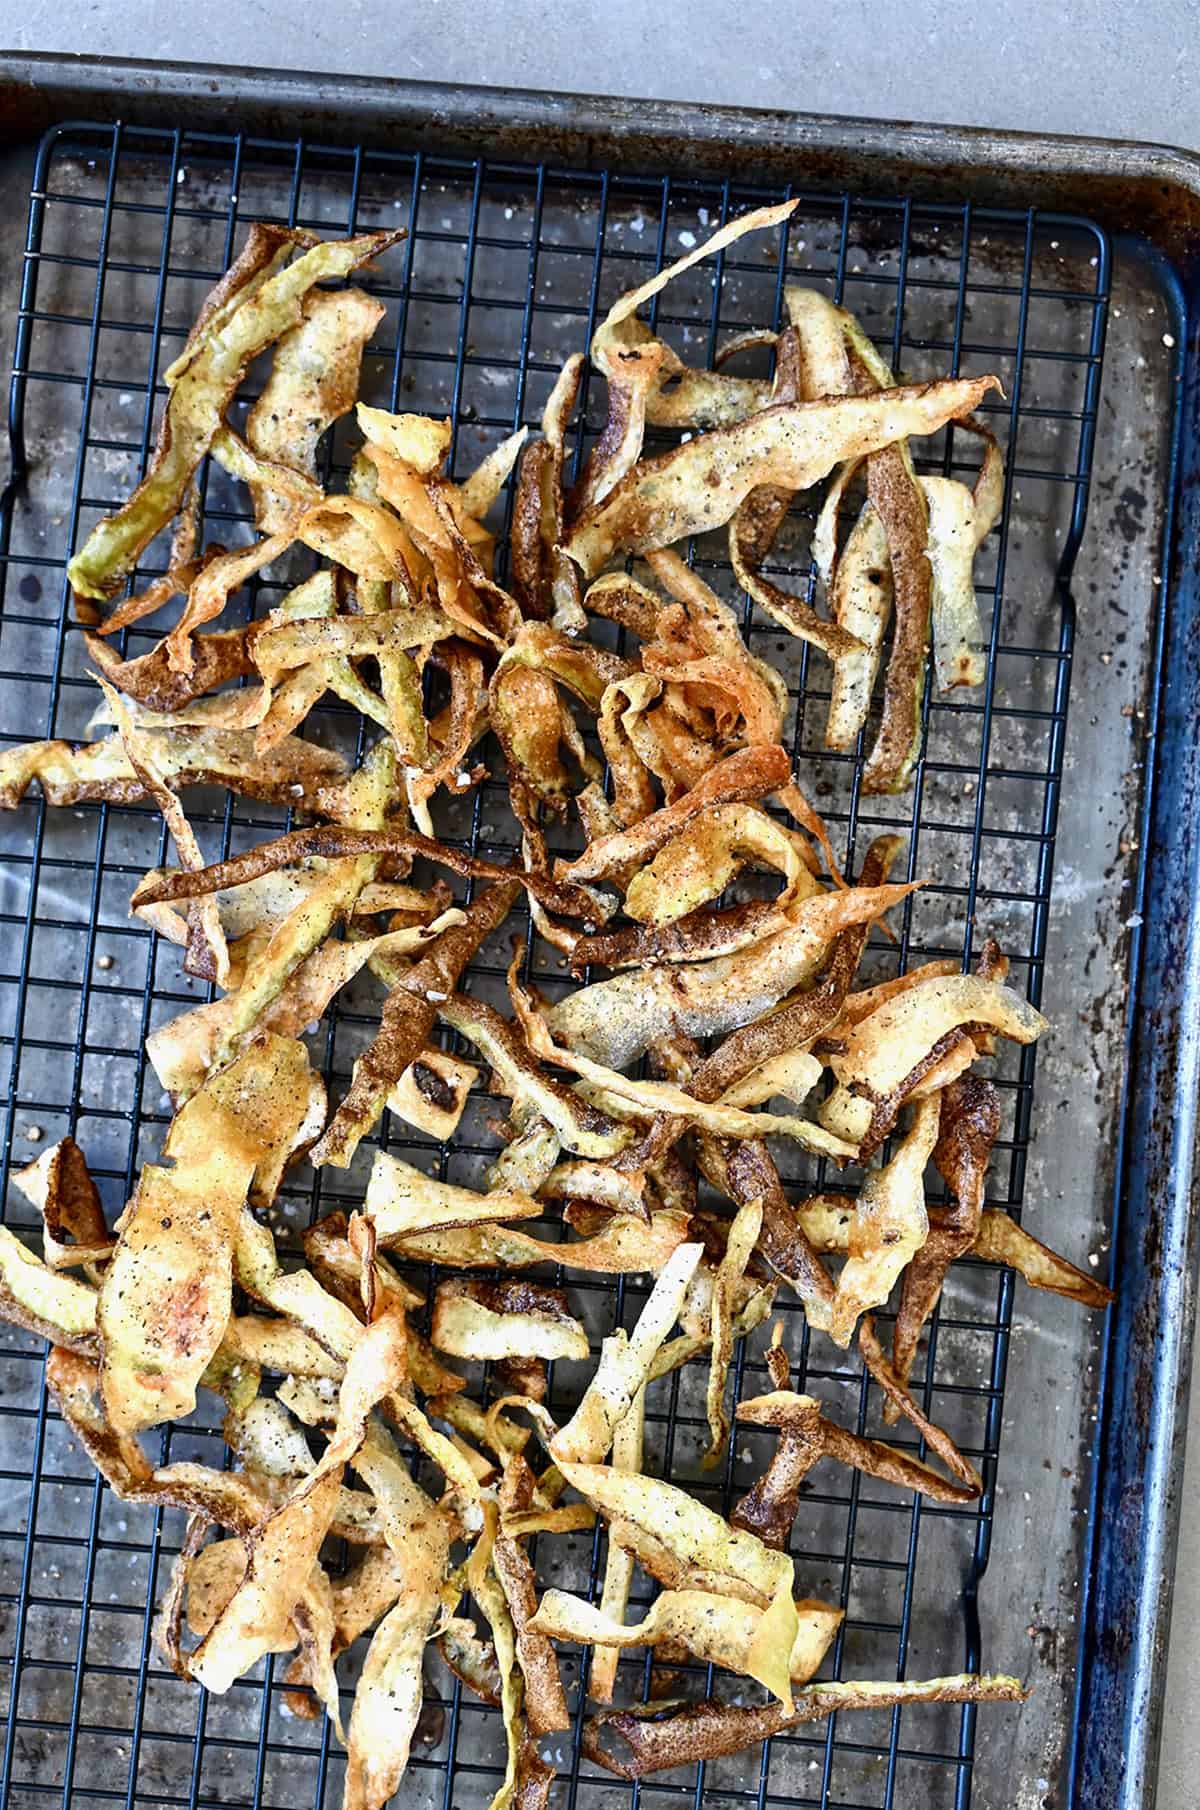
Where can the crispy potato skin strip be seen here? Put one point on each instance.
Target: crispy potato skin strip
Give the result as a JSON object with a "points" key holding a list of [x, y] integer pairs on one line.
{"points": [[615, 1020], [204, 380], [747, 775], [334, 842], [545, 1702], [625, 1363], [54, 1307], [627, 1455], [166, 1295], [314, 379], [899, 502], [409, 1015], [805, 1436], [801, 1020], [968, 1127], [700, 485], [505, 1319], [388, 1700], [59, 1184], [293, 773], [659, 1739], [750, 1174], [217, 658], [890, 1225]]}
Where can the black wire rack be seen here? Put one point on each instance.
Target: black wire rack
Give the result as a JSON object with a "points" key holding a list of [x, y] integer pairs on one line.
{"points": [[505, 269]]}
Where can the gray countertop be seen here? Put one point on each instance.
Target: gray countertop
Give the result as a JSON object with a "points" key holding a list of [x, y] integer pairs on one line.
{"points": [[1122, 72], [1119, 72]]}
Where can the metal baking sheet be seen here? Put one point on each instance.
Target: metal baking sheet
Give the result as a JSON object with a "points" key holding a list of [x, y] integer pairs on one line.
{"points": [[1047, 1360]]}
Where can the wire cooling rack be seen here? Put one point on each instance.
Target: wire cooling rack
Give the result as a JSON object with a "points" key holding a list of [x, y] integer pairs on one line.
{"points": [[506, 268]]}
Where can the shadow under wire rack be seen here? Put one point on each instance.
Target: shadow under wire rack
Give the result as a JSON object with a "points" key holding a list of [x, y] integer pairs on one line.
{"points": [[505, 270]]}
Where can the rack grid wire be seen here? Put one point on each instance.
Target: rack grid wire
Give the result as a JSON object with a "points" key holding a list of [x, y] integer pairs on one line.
{"points": [[506, 268]]}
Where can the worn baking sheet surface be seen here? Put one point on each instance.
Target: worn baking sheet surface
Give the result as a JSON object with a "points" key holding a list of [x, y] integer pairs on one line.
{"points": [[79, 1571]]}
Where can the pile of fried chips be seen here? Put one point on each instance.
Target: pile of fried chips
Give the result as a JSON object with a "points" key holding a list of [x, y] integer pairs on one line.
{"points": [[717, 1027]]}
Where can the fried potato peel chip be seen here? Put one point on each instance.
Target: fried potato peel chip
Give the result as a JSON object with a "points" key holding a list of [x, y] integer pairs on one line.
{"points": [[208, 954], [166, 1295], [719, 1630], [332, 842], [579, 1127], [746, 775], [403, 1201], [698, 486], [545, 1702], [314, 379], [968, 1126], [409, 1013], [743, 1237], [1001, 1240], [677, 1539], [625, 1361], [56, 1307], [661, 1736], [616, 1020], [807, 1435], [889, 1053], [637, 367], [388, 1699], [697, 865], [526, 1777], [625, 1245], [292, 773], [889, 1227], [249, 316], [482, 1320], [59, 1185], [431, 1095], [628, 1454]]}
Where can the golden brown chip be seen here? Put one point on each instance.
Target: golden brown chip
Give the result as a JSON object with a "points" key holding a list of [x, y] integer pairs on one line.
{"points": [[331, 842], [627, 1455], [387, 1702], [292, 773], [409, 1013], [55, 1307], [403, 1202], [258, 300], [625, 1361], [280, 1553], [471, 1659], [482, 1320], [216, 659], [166, 1295], [545, 581], [545, 1702], [1001, 1240], [625, 1245], [614, 1021], [314, 379], [699, 486], [968, 1126], [739, 1248], [744, 776], [890, 1224], [663, 1736], [579, 1127], [59, 1185], [805, 1436], [889, 1053]]}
